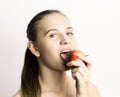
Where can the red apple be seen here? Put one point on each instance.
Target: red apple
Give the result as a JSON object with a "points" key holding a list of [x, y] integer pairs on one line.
{"points": [[73, 55]]}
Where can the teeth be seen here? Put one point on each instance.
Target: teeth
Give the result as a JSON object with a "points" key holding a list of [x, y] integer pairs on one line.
{"points": [[66, 51]]}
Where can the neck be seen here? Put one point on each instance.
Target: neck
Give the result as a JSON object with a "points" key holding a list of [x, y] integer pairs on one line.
{"points": [[52, 80]]}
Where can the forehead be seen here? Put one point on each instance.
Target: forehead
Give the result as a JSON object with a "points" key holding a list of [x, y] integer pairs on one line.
{"points": [[54, 20]]}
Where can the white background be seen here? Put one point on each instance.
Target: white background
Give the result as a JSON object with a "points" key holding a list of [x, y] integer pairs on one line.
{"points": [[97, 26]]}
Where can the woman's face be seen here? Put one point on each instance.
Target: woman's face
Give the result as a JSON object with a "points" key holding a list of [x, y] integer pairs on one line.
{"points": [[55, 36]]}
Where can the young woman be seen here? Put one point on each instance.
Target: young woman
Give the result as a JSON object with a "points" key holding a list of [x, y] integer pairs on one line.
{"points": [[50, 34]]}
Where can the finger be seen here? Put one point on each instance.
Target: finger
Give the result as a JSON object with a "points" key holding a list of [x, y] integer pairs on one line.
{"points": [[74, 63], [83, 66], [77, 64], [81, 71], [87, 61], [75, 70], [78, 77], [84, 74]]}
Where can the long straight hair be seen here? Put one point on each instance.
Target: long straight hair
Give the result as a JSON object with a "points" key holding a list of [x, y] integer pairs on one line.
{"points": [[30, 86]]}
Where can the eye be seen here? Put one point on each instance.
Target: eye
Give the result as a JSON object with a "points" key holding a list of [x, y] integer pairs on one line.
{"points": [[69, 33], [52, 35]]}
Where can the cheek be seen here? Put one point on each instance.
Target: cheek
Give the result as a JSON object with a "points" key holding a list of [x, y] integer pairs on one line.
{"points": [[74, 43], [48, 54], [47, 47]]}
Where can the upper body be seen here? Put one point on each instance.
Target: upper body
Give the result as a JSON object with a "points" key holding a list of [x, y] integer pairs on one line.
{"points": [[93, 92], [51, 34]]}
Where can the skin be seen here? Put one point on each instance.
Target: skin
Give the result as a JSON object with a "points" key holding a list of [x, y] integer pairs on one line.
{"points": [[56, 34]]}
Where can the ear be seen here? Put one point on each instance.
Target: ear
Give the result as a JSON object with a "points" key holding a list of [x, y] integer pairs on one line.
{"points": [[33, 48]]}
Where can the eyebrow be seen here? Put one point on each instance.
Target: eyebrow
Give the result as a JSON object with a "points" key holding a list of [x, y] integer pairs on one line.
{"points": [[56, 30]]}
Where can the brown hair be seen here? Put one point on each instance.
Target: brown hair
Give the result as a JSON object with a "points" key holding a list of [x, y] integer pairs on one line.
{"points": [[30, 86]]}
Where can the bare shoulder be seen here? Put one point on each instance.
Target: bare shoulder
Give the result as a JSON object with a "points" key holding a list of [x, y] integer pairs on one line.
{"points": [[93, 91], [17, 94]]}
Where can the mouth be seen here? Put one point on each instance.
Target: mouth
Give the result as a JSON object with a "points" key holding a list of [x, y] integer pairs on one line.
{"points": [[64, 54]]}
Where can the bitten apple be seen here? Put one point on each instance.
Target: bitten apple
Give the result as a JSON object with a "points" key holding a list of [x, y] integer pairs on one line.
{"points": [[73, 55], [68, 56]]}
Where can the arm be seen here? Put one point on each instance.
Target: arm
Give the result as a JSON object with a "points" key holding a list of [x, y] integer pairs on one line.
{"points": [[81, 73]]}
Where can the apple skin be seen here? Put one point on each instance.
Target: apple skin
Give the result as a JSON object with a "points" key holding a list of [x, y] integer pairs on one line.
{"points": [[73, 55]]}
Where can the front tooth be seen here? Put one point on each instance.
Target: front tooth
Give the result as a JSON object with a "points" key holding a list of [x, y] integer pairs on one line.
{"points": [[66, 50]]}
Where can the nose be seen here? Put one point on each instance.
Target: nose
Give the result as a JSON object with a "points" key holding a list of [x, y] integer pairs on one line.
{"points": [[64, 40]]}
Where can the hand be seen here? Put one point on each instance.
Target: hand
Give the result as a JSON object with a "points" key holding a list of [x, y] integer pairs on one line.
{"points": [[80, 69]]}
